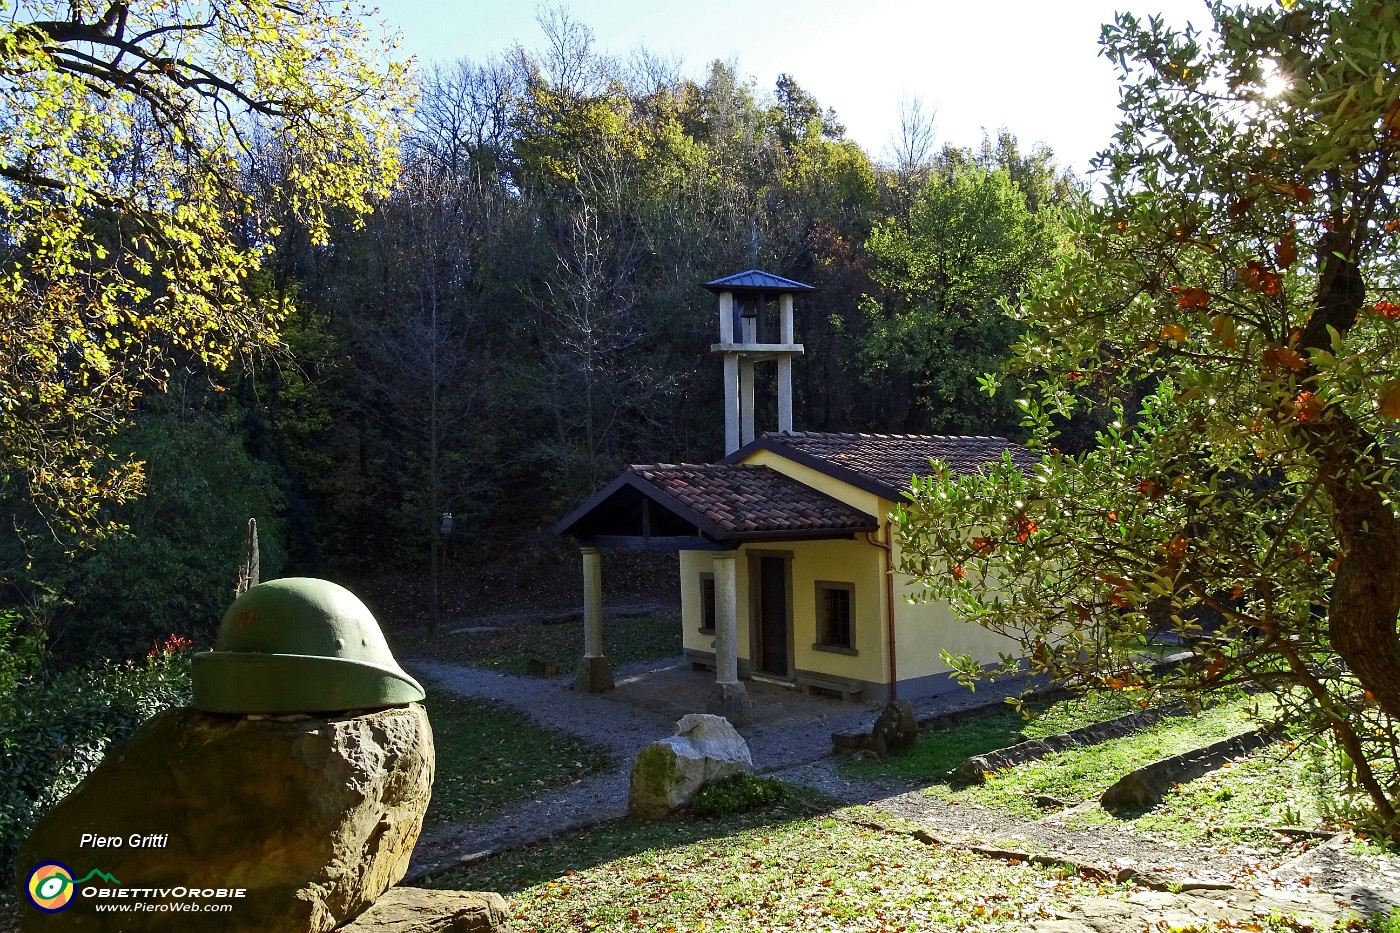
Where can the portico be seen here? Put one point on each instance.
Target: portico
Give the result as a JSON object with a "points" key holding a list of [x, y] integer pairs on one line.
{"points": [[712, 509]]}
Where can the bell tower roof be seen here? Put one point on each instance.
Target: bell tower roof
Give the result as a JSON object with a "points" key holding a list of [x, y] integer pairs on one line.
{"points": [[756, 280]]}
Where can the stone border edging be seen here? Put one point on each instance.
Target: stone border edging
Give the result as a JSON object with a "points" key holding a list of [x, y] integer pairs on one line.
{"points": [[1147, 786], [1088, 869], [1188, 888], [990, 708], [975, 769]]}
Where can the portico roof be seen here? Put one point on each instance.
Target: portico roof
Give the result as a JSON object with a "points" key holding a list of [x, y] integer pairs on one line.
{"points": [[708, 506]]}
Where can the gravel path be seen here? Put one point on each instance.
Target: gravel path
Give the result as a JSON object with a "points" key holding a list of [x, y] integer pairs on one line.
{"points": [[790, 731], [554, 704], [461, 622]]}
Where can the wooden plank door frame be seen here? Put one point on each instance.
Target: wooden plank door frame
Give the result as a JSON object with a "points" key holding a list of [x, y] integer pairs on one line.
{"points": [[755, 568]]}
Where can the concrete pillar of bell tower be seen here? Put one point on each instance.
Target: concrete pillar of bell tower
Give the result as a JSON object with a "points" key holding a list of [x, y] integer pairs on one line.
{"points": [[731, 374], [785, 363], [731, 403], [745, 401]]}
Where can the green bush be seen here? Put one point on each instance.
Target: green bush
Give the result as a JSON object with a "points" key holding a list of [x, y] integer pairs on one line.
{"points": [[174, 567], [737, 793], [1388, 922], [55, 727]]}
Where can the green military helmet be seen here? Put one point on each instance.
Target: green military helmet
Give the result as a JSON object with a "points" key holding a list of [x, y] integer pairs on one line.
{"points": [[299, 645]]}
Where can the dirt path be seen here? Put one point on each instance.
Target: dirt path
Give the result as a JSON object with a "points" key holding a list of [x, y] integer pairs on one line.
{"points": [[1325, 879]]}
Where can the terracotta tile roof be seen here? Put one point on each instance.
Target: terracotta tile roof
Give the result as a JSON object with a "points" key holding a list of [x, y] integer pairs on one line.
{"points": [[887, 461], [743, 499]]}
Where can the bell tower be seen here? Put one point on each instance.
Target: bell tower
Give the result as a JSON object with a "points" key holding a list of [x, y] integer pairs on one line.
{"points": [[750, 332]]}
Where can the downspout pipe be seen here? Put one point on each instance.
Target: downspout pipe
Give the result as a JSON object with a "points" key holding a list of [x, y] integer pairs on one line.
{"points": [[888, 548]]}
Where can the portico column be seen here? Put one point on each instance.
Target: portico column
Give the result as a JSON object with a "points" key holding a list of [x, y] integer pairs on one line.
{"points": [[726, 619], [594, 673], [728, 698]]}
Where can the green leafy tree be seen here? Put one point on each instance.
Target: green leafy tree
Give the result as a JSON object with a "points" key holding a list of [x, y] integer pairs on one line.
{"points": [[129, 235], [968, 243], [1242, 273], [798, 116], [174, 569], [816, 200]]}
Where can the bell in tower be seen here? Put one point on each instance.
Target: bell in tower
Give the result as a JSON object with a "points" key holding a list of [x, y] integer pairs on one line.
{"points": [[748, 335]]}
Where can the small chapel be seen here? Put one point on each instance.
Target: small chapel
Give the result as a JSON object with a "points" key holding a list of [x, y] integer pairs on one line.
{"points": [[787, 555]]}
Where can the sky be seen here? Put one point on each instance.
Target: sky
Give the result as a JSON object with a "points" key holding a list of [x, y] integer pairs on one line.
{"points": [[1031, 66]]}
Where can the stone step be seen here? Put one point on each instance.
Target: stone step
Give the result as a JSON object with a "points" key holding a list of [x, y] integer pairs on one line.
{"points": [[421, 910]]}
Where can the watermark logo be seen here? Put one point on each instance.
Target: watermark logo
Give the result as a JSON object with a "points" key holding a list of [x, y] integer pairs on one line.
{"points": [[51, 885]]}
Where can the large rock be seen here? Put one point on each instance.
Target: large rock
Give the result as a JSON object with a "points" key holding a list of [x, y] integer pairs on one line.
{"points": [[895, 730], [668, 773], [419, 910], [313, 818]]}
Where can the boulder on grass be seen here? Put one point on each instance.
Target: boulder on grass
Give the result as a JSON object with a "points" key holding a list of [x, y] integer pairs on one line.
{"points": [[667, 774], [419, 910], [895, 730], [313, 817]]}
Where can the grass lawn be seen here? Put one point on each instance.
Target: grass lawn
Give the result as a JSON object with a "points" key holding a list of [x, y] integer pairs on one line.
{"points": [[1275, 786], [489, 756], [941, 750], [774, 870], [626, 639], [1081, 774], [780, 869], [1236, 804]]}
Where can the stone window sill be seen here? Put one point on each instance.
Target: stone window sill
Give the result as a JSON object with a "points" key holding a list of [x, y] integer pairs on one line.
{"points": [[707, 631], [836, 649]]}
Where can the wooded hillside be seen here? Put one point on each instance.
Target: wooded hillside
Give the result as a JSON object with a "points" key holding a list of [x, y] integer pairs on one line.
{"points": [[520, 316]]}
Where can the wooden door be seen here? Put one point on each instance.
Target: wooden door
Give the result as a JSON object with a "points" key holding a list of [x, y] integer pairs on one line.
{"points": [[773, 615]]}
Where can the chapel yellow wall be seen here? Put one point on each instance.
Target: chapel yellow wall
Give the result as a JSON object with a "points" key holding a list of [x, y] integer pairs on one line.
{"points": [[838, 561], [924, 630], [694, 563]]}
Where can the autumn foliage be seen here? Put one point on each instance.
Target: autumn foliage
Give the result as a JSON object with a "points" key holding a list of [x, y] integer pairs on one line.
{"points": [[1231, 319], [131, 231]]}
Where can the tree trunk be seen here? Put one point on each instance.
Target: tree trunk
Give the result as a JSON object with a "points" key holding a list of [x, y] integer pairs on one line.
{"points": [[1365, 598]]}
